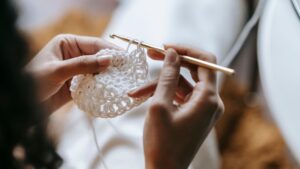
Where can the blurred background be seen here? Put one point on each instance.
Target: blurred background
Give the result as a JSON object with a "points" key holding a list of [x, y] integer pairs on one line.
{"points": [[250, 134]]}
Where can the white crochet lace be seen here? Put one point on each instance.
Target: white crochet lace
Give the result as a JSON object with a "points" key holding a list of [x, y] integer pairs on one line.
{"points": [[105, 94]]}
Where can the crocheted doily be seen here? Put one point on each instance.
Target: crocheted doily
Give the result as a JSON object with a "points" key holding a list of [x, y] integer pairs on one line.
{"points": [[105, 94]]}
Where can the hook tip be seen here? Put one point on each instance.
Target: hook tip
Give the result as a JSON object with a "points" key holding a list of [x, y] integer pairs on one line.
{"points": [[112, 36]]}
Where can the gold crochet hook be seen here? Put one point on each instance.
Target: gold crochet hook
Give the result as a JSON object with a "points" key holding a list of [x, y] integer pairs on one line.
{"points": [[189, 59]]}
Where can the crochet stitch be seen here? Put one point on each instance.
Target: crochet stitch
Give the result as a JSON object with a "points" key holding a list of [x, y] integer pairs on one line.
{"points": [[105, 94]]}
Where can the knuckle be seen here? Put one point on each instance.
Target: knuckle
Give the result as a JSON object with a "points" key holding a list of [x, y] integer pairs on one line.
{"points": [[205, 88], [171, 51], [158, 106], [168, 74], [159, 111], [215, 105], [211, 106], [63, 38], [209, 97], [212, 102], [209, 91], [59, 37]]}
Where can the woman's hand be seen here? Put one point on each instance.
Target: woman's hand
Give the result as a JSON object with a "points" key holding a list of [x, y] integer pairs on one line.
{"points": [[173, 134], [62, 58]]}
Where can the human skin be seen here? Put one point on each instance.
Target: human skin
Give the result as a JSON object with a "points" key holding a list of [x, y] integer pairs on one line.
{"points": [[172, 133], [65, 56], [62, 58]]}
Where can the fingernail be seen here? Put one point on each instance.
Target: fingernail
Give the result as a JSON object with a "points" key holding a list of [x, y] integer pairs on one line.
{"points": [[104, 59], [171, 56], [151, 51], [131, 92]]}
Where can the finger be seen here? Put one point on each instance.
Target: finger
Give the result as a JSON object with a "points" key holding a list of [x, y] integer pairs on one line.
{"points": [[149, 89], [75, 45], [198, 73], [178, 99], [145, 90], [87, 64], [169, 76], [155, 55], [184, 88], [202, 99]]}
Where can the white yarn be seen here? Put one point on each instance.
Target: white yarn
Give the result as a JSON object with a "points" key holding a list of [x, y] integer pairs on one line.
{"points": [[105, 94]]}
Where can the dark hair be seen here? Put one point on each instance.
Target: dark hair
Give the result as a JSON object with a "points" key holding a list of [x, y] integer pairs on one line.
{"points": [[23, 138]]}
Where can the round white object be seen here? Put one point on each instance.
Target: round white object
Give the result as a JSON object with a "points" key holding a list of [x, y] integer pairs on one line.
{"points": [[105, 94], [279, 58]]}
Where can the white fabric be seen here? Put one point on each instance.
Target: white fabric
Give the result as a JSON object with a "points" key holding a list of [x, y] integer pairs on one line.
{"points": [[105, 94], [212, 25], [279, 58]]}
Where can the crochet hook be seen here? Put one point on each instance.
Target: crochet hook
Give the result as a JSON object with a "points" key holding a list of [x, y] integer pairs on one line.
{"points": [[189, 59]]}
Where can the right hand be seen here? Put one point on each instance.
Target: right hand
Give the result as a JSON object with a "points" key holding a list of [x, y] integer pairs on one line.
{"points": [[173, 134]]}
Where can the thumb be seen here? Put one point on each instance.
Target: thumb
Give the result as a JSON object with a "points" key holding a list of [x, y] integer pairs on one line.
{"points": [[87, 64], [168, 80]]}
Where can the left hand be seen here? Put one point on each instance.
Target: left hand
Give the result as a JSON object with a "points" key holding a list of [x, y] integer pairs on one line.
{"points": [[62, 58]]}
